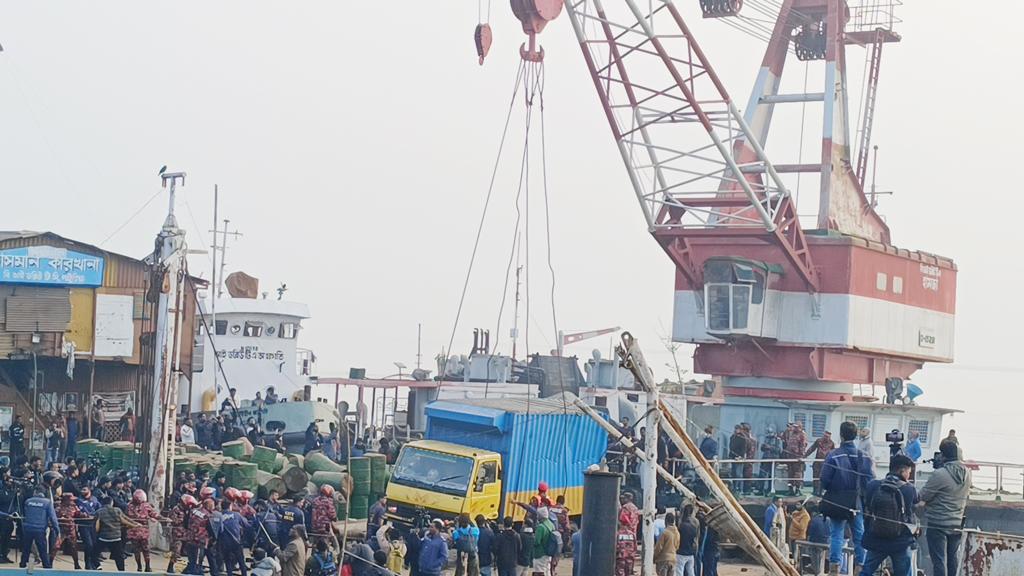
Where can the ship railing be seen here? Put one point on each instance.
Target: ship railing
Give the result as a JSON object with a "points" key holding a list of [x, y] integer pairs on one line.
{"points": [[997, 481]]}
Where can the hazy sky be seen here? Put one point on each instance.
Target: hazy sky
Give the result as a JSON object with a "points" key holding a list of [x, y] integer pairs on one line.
{"points": [[353, 144]]}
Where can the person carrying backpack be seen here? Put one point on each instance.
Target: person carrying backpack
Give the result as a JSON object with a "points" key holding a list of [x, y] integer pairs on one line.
{"points": [[321, 562], [466, 539], [544, 544], [889, 519], [844, 477]]}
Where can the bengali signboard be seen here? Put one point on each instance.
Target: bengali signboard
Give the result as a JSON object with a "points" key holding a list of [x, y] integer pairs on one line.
{"points": [[49, 265]]}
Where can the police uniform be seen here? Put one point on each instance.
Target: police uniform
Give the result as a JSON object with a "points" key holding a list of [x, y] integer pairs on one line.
{"points": [[268, 530], [230, 541], [291, 515], [89, 506]]}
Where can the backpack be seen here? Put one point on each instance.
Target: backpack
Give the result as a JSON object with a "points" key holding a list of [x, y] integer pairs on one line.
{"points": [[467, 542], [887, 509], [327, 565], [554, 545]]}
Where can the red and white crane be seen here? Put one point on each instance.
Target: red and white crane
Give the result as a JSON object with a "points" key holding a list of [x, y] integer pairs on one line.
{"points": [[776, 310]]}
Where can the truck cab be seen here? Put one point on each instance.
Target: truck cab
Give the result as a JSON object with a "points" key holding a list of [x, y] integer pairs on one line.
{"points": [[434, 479]]}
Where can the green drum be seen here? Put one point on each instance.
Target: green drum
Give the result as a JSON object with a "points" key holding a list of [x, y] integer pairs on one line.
{"points": [[358, 507], [341, 509], [264, 458], [359, 469], [245, 477], [122, 455], [86, 447], [378, 473], [234, 449], [184, 464]]}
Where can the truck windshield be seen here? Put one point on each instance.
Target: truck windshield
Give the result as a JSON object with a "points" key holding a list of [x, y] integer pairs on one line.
{"points": [[420, 468]]}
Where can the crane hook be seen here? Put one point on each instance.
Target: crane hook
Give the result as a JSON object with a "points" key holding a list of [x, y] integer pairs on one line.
{"points": [[483, 37]]}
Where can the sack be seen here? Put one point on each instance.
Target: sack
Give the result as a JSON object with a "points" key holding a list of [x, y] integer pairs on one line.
{"points": [[887, 509], [554, 545], [327, 565]]}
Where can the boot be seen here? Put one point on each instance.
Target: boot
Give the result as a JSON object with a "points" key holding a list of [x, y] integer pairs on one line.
{"points": [[833, 569]]}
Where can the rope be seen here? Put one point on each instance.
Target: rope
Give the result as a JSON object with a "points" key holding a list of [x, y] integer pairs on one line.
{"points": [[130, 218], [483, 215], [803, 118]]}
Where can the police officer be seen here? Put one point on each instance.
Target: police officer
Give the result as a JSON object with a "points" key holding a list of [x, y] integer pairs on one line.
{"points": [[268, 526], [39, 515], [8, 506], [89, 505], [229, 541], [291, 515], [17, 436]]}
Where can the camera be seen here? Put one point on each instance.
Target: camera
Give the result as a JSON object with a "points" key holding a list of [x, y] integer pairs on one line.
{"points": [[894, 437], [936, 460]]}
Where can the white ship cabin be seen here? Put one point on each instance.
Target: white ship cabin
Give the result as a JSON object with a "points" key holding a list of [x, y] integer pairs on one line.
{"points": [[256, 342]]}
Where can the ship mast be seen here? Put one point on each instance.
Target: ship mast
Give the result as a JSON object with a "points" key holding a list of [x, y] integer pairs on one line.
{"points": [[169, 271]]}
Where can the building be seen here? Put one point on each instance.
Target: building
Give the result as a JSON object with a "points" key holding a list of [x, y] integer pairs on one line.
{"points": [[77, 324]]}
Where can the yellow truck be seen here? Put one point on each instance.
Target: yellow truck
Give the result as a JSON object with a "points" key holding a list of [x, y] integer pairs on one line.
{"points": [[481, 455]]}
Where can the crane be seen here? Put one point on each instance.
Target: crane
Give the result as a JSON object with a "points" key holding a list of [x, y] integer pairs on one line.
{"points": [[574, 337], [776, 311]]}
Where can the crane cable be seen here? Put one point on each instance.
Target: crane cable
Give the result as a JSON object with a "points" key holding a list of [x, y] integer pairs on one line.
{"points": [[483, 218]]}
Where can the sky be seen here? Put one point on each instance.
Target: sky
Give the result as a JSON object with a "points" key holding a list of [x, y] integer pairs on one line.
{"points": [[353, 144]]}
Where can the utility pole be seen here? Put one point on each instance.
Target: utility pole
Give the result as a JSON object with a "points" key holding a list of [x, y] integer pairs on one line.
{"points": [[213, 297], [419, 343], [515, 314], [170, 270], [633, 360]]}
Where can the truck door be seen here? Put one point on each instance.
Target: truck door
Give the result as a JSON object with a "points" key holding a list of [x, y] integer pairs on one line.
{"points": [[485, 492]]}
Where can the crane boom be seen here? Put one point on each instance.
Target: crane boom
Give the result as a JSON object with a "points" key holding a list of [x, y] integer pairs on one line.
{"points": [[677, 131]]}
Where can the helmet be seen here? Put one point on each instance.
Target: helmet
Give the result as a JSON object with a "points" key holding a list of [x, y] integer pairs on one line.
{"points": [[139, 496], [542, 487], [232, 494], [246, 495], [207, 492], [327, 490], [189, 500]]}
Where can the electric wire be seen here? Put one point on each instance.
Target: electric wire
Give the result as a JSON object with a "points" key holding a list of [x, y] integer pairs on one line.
{"points": [[130, 218]]}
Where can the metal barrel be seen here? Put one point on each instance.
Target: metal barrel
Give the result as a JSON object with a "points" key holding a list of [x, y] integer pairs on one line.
{"points": [[600, 523], [359, 468]]}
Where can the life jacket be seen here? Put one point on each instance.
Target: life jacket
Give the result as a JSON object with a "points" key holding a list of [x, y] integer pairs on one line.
{"points": [[326, 565]]}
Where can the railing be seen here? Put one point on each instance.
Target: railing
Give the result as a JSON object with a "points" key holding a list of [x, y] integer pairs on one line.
{"points": [[870, 15], [999, 481]]}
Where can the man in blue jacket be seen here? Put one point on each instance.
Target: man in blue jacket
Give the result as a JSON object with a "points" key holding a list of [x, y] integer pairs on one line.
{"points": [[844, 478], [888, 534], [230, 538], [39, 515], [434, 552]]}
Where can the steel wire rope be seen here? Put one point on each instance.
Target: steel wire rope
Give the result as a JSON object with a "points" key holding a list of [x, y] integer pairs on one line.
{"points": [[551, 271], [529, 92], [483, 218], [132, 217], [800, 152]]}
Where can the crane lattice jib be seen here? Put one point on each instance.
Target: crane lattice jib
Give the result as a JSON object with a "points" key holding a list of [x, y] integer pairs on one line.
{"points": [[676, 128]]}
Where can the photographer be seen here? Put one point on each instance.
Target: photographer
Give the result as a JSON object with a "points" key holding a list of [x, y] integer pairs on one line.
{"points": [[945, 498]]}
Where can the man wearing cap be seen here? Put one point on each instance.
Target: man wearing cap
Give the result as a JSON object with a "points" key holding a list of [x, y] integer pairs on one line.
{"points": [[820, 448], [541, 534]]}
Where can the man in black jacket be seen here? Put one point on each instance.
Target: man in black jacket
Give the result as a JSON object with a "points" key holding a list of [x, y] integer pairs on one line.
{"points": [[689, 532], [17, 435], [526, 537], [507, 546]]}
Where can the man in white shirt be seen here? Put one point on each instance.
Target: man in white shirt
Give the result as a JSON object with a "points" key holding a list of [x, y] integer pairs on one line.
{"points": [[188, 434]]}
